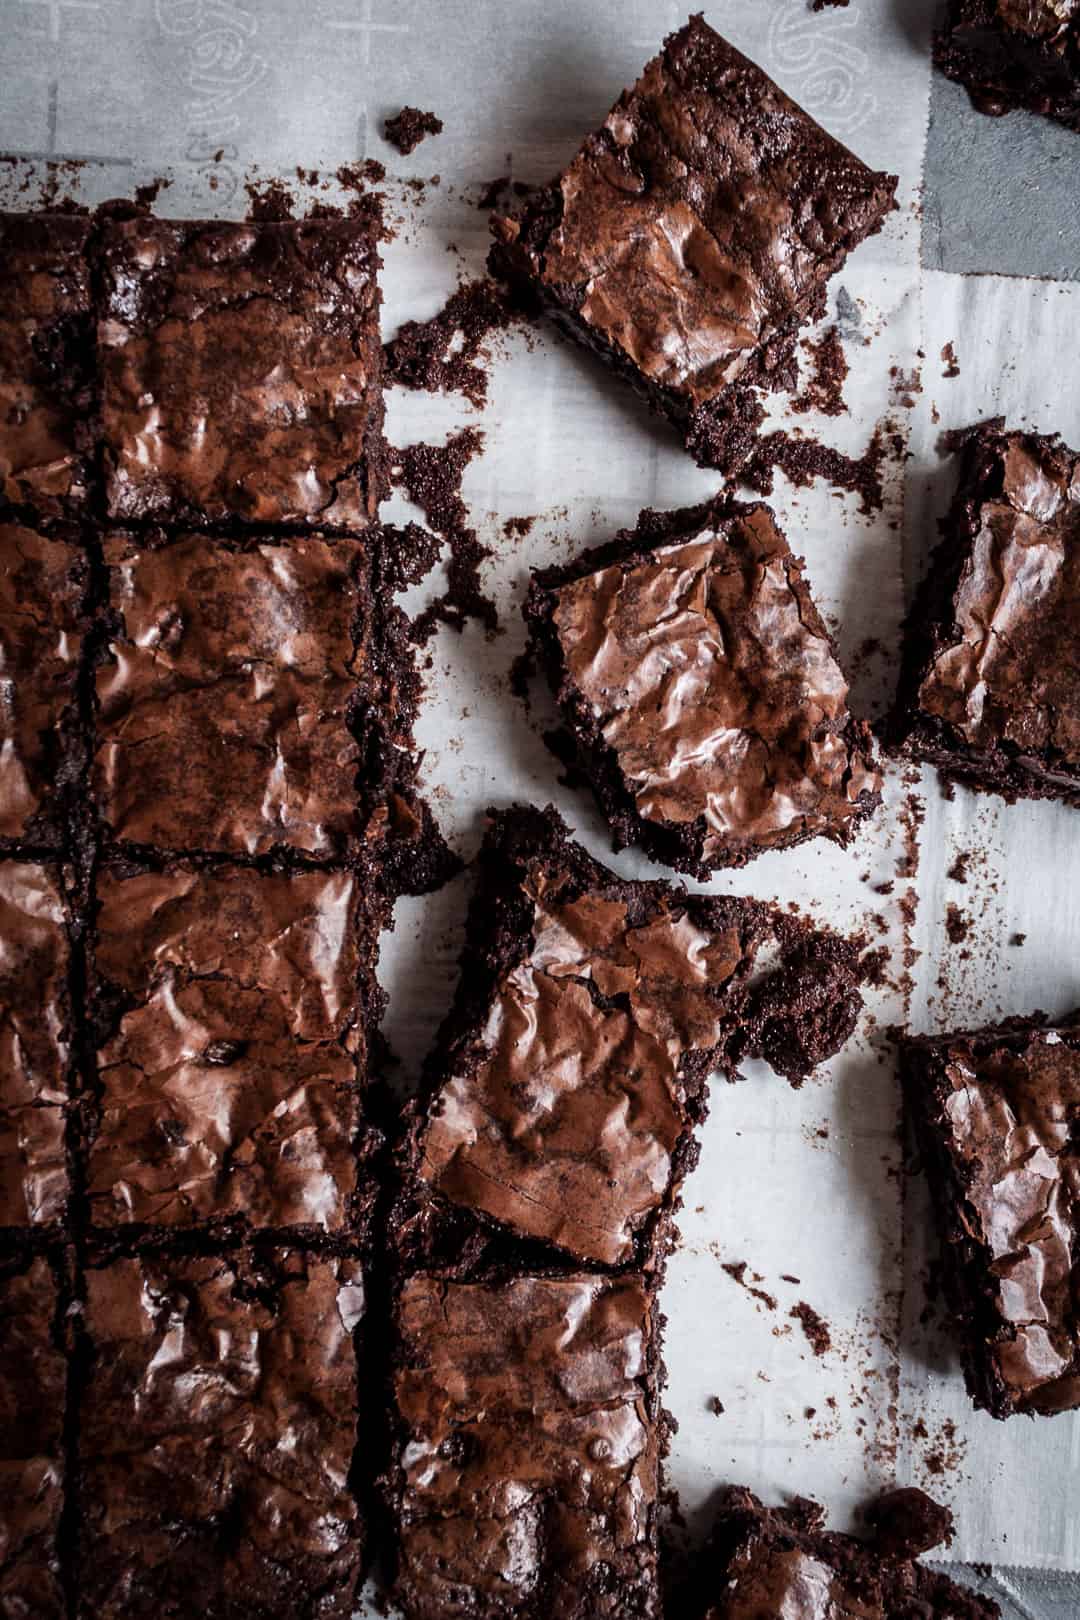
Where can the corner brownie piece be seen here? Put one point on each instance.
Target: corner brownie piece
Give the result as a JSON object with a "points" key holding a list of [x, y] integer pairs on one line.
{"points": [[225, 697], [996, 1114], [564, 1089], [35, 1020], [33, 1396], [783, 1561], [694, 233], [45, 361], [990, 689], [43, 585], [702, 691], [528, 1442], [1015, 53], [216, 1438], [231, 1050], [241, 371]]}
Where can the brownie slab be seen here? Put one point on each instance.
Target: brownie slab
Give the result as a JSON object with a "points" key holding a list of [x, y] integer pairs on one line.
{"points": [[235, 1503], [241, 371], [694, 233], [225, 698], [33, 1396], [565, 1086], [702, 690], [529, 1438], [1015, 53], [783, 1561], [35, 1031], [995, 1111], [43, 584], [990, 689], [231, 1050], [45, 361]]}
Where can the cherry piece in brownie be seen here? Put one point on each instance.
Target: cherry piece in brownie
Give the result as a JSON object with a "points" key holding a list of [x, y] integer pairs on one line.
{"points": [[1015, 53], [990, 690], [702, 690], [694, 233]]}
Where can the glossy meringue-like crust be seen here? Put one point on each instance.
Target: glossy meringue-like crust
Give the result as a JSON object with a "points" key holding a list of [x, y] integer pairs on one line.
{"points": [[34, 1052], [529, 1450], [241, 368], [224, 702], [32, 1400], [217, 1437], [44, 347], [229, 1083], [43, 581]]}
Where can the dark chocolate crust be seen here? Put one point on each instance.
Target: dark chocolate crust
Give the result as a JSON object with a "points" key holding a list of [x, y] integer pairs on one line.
{"points": [[241, 371], [701, 689], [562, 1096], [990, 683], [1015, 53], [693, 234], [995, 1113]]}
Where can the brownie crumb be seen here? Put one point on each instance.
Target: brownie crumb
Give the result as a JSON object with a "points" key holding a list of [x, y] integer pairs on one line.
{"points": [[952, 368], [803, 459], [358, 176], [824, 388], [716, 1406], [787, 1277], [146, 196], [736, 1270], [819, 5], [1018, 939], [516, 528], [406, 555], [957, 926], [270, 202], [431, 476], [958, 871], [439, 355], [815, 1328], [410, 127]]}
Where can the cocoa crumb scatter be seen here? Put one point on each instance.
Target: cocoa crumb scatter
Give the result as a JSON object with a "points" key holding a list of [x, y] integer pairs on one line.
{"points": [[957, 926], [270, 202], [803, 459], [736, 1270], [952, 368], [356, 176], [824, 388], [409, 127], [958, 871], [421, 356], [516, 528], [431, 477], [815, 1328]]}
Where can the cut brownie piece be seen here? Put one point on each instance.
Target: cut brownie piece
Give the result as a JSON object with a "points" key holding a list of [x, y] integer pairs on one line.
{"points": [[996, 1113], [43, 583], [34, 1049], [782, 1561], [990, 690], [217, 1434], [33, 1385], [565, 1086], [1015, 53], [45, 361], [694, 233], [225, 701], [231, 1050], [702, 690], [528, 1448], [241, 371]]}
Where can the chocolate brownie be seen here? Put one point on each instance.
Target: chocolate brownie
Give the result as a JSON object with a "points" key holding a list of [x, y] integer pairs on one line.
{"points": [[783, 1561], [529, 1438], [565, 1086], [702, 690], [241, 371], [694, 233], [217, 1433], [1015, 53], [231, 1050], [996, 1114], [45, 361], [990, 689], [33, 1386], [43, 585], [35, 1033], [224, 701]]}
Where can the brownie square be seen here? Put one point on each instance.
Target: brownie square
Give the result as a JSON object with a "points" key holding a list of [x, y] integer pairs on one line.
{"points": [[1015, 53], [46, 364], [217, 1433], [225, 700], [35, 1032], [702, 691], [529, 1437], [231, 1050], [990, 689], [783, 1561], [565, 1086], [33, 1395], [996, 1113], [43, 584], [241, 371], [694, 233]]}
